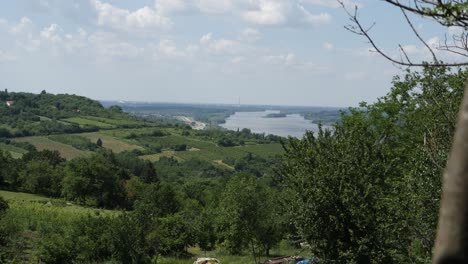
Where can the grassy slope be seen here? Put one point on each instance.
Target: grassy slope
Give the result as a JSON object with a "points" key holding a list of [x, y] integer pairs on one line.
{"points": [[115, 141], [34, 202], [14, 151], [41, 143], [112, 143], [88, 122]]}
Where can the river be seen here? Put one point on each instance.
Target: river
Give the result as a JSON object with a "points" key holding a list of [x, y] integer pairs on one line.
{"points": [[292, 125]]}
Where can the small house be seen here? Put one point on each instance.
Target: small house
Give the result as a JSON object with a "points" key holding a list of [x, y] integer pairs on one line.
{"points": [[10, 103]]}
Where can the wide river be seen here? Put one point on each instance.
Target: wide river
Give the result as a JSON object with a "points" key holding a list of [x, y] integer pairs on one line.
{"points": [[292, 125]]}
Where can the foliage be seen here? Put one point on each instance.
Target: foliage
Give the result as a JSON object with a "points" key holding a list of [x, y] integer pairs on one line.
{"points": [[368, 192], [245, 205], [94, 181], [75, 141]]}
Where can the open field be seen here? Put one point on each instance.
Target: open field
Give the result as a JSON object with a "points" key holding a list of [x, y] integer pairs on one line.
{"points": [[36, 202], [88, 122], [112, 143], [14, 151], [116, 122], [41, 143], [119, 140]]}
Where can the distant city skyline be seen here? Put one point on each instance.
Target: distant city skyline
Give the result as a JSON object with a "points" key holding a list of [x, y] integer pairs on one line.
{"points": [[267, 52]]}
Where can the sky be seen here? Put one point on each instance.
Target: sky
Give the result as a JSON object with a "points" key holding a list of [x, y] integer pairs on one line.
{"points": [[277, 52]]}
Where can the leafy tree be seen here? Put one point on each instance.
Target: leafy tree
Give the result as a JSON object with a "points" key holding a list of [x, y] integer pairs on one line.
{"points": [[94, 181], [368, 192], [99, 142], [40, 177], [8, 168], [148, 173], [243, 215]]}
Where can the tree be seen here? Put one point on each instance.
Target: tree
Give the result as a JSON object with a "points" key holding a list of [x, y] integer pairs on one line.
{"points": [[40, 177], [99, 142], [94, 181], [247, 216], [368, 191], [8, 168], [148, 173], [452, 239]]}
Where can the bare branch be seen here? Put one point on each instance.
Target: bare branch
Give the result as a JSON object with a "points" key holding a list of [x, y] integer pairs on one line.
{"points": [[417, 35], [357, 28]]}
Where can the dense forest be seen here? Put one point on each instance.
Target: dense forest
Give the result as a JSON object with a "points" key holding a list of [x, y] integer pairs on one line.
{"points": [[366, 191]]}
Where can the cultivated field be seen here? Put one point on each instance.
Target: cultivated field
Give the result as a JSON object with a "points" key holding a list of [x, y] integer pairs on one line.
{"points": [[68, 152]]}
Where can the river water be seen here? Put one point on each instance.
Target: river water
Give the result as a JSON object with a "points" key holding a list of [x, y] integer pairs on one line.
{"points": [[292, 125]]}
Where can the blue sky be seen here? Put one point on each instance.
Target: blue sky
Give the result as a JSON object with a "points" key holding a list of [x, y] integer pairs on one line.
{"points": [[286, 52]]}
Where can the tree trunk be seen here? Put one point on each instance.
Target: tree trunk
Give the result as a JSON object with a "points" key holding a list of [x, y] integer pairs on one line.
{"points": [[451, 244], [253, 252]]}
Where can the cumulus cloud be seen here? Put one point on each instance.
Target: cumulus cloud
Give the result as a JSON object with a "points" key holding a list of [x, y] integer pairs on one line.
{"points": [[25, 25], [51, 33], [318, 19], [144, 18], [219, 46], [283, 59], [256, 12], [283, 13], [250, 35], [167, 7], [168, 48], [268, 12], [331, 3]]}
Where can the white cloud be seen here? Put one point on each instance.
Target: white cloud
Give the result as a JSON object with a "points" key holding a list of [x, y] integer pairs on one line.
{"points": [[168, 48], [256, 12], [219, 46], [51, 33], [283, 13], [166, 7], [284, 59], [290, 60], [319, 19], [215, 6], [328, 46], [117, 18], [250, 35], [109, 45], [24, 35], [268, 12], [24, 26], [5, 57], [331, 3]]}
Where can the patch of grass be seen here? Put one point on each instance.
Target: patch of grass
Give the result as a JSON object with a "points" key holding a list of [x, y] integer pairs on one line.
{"points": [[117, 122], [112, 143], [20, 196], [88, 122], [125, 133], [75, 141], [66, 151], [156, 157], [14, 151], [38, 203]]}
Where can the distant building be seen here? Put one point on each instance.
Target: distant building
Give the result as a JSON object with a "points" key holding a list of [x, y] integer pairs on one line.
{"points": [[10, 103]]}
